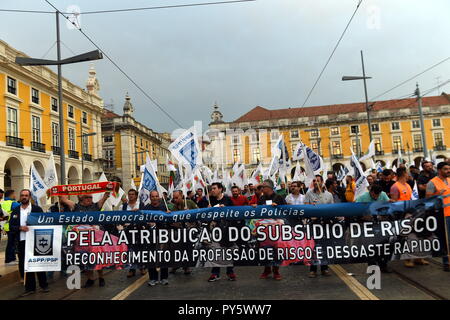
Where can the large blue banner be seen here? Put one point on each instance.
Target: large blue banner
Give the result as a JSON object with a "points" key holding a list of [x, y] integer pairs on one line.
{"points": [[290, 212]]}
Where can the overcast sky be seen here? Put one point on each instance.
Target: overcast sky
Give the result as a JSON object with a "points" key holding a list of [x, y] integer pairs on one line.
{"points": [[267, 52]]}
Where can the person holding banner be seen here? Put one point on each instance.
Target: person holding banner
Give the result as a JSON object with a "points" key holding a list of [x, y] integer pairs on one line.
{"points": [[156, 204], [440, 186], [217, 198], [402, 191], [18, 226], [86, 204], [133, 204], [318, 195]]}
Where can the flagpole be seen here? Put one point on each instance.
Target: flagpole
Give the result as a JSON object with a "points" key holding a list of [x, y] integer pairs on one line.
{"points": [[206, 187]]}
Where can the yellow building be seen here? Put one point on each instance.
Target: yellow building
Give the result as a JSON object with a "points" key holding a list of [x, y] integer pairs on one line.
{"points": [[333, 130], [125, 145], [29, 119]]}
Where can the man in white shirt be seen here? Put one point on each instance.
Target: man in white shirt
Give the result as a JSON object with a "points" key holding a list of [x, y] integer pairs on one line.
{"points": [[295, 197], [18, 225]]}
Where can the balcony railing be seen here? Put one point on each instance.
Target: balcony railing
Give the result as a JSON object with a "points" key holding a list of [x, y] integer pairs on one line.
{"points": [[440, 148], [37, 146], [396, 151], [379, 152], [337, 156], [56, 150], [418, 149], [87, 157], [14, 142], [73, 154]]}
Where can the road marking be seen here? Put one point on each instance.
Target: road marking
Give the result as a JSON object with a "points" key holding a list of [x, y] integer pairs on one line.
{"points": [[130, 289], [361, 291]]}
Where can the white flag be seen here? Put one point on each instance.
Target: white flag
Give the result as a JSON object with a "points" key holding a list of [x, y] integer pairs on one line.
{"points": [[37, 185], [298, 153], [360, 179], [186, 149], [371, 151], [50, 177], [415, 193]]}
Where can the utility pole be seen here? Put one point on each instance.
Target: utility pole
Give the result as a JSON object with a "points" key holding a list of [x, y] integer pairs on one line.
{"points": [[422, 126], [367, 100], [62, 149]]}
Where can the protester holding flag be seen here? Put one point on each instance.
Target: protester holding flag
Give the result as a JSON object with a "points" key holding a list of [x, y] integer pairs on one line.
{"points": [[440, 185], [200, 199], [18, 226]]}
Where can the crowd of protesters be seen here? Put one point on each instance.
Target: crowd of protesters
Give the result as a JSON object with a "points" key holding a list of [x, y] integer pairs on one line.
{"points": [[387, 186]]}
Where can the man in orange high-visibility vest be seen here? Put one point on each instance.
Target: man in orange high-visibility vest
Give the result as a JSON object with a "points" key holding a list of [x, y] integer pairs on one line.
{"points": [[440, 185], [401, 191]]}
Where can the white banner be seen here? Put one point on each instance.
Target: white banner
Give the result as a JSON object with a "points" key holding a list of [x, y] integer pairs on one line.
{"points": [[43, 248]]}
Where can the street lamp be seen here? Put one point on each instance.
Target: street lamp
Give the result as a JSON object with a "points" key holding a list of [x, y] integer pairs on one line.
{"points": [[349, 78], [88, 56], [82, 152]]}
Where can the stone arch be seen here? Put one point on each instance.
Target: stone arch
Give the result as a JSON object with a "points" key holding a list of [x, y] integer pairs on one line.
{"points": [[39, 168], [14, 174], [87, 175], [58, 172], [73, 176], [382, 162]]}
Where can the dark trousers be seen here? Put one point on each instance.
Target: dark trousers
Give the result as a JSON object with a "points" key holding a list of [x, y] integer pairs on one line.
{"points": [[216, 270], [10, 252], [30, 279], [153, 273], [313, 268]]}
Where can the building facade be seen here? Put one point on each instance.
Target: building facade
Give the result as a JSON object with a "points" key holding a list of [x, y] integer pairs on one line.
{"points": [[29, 118], [126, 143], [333, 130]]}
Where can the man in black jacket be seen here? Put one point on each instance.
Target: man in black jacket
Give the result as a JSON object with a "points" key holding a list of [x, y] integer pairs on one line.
{"points": [[18, 225]]}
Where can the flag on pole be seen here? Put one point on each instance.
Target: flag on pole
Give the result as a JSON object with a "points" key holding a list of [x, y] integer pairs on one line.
{"points": [[50, 176], [186, 149], [37, 185], [370, 153], [415, 193], [298, 153], [360, 179]]}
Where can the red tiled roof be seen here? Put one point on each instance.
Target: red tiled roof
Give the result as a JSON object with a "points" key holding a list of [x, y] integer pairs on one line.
{"points": [[109, 114], [260, 114]]}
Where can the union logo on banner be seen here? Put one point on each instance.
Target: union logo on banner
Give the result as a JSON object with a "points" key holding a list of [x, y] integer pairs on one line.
{"points": [[43, 242]]}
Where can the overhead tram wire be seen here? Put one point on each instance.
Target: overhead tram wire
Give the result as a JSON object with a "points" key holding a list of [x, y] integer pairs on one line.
{"points": [[411, 78], [121, 70], [132, 9], [332, 53]]}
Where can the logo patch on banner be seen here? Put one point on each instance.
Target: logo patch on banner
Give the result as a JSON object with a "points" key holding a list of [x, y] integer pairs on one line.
{"points": [[189, 151], [43, 242]]}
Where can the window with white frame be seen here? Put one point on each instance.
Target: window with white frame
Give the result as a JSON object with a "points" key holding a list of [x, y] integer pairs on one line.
{"points": [[12, 85], [236, 155], [36, 123], [109, 157], [354, 129], [235, 139], [70, 111], [55, 134], [72, 139], [416, 124], [436, 122], [375, 127], [294, 134], [336, 148], [395, 125], [274, 135], [377, 144], [256, 155], [35, 95], [12, 123], [438, 140], [417, 141], [54, 104], [84, 117], [85, 142], [397, 143], [334, 131]]}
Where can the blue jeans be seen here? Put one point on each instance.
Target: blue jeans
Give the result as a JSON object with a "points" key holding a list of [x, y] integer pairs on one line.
{"points": [[10, 252], [216, 270]]}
